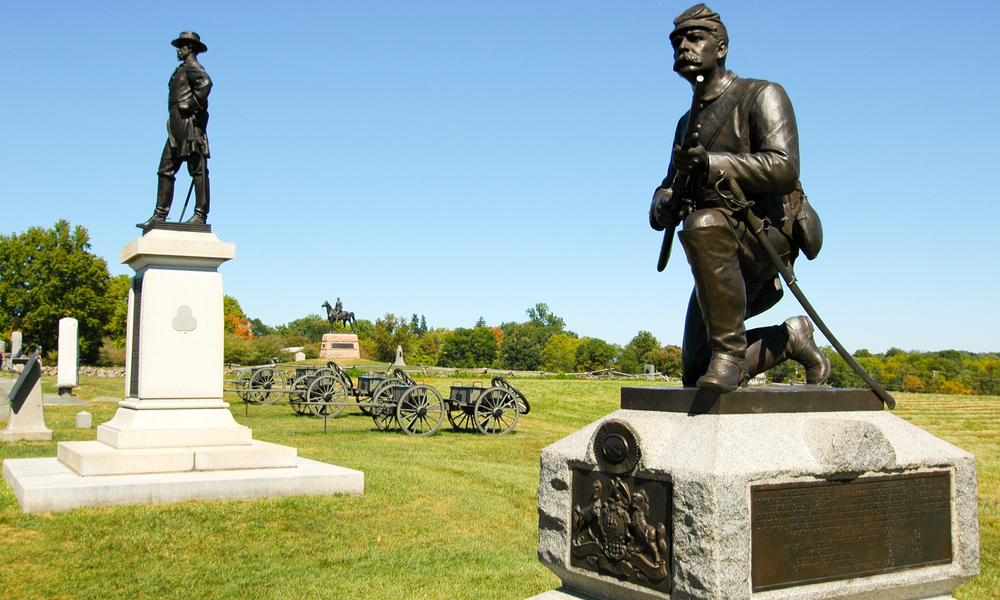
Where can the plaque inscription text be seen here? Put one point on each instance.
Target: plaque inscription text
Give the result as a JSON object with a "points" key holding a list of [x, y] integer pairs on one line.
{"points": [[821, 531]]}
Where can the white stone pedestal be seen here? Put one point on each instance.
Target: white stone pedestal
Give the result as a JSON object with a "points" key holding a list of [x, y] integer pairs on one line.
{"points": [[68, 364], [173, 438], [855, 504], [340, 345]]}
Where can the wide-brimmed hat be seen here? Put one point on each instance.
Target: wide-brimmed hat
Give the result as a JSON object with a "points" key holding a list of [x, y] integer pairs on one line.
{"points": [[192, 37]]}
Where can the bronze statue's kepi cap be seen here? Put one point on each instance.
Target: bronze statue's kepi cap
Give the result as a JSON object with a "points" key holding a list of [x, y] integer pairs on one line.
{"points": [[192, 37], [702, 17]]}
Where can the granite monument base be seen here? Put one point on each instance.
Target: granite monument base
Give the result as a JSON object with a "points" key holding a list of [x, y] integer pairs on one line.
{"points": [[775, 493], [340, 345]]}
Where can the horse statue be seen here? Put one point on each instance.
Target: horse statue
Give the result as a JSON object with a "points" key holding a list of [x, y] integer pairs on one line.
{"points": [[336, 314]]}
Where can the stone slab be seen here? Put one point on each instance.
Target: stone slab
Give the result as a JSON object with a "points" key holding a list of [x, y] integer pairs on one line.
{"points": [[756, 399], [45, 484], [713, 462], [91, 458], [171, 428], [256, 455]]}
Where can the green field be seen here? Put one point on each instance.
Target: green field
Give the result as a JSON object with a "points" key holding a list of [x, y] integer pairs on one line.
{"points": [[451, 516]]}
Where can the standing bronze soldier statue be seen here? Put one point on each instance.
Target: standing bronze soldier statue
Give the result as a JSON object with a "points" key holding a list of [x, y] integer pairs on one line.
{"points": [[744, 134], [186, 137]]}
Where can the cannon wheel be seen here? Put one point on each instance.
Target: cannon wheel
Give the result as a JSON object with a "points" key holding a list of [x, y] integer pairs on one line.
{"points": [[460, 418], [522, 403], [403, 376], [496, 411], [267, 385], [420, 411], [344, 375], [381, 407], [365, 402], [327, 395], [243, 382], [297, 397]]}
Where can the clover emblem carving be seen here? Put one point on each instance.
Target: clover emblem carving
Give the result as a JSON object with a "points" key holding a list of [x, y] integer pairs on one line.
{"points": [[184, 321]]}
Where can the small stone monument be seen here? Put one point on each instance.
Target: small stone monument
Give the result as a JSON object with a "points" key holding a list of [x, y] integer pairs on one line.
{"points": [[69, 356], [649, 371], [27, 421], [399, 357], [300, 356], [83, 420], [15, 344]]}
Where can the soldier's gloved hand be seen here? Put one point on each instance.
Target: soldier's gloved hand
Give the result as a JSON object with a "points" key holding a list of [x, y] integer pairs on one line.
{"points": [[693, 161], [660, 214]]}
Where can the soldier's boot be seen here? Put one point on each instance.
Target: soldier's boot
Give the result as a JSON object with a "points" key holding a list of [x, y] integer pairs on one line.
{"points": [[711, 252], [792, 340], [164, 197], [201, 200]]}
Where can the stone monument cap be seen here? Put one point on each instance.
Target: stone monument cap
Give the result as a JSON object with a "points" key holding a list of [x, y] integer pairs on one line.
{"points": [[162, 247]]}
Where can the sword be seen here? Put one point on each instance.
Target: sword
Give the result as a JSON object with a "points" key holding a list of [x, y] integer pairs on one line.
{"points": [[758, 227], [186, 200]]}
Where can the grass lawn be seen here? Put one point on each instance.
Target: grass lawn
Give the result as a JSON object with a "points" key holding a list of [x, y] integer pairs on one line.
{"points": [[451, 516]]}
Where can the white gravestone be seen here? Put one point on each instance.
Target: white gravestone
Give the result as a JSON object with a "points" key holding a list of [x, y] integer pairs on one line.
{"points": [[83, 420], [173, 437], [300, 356], [15, 344], [27, 421], [69, 356]]}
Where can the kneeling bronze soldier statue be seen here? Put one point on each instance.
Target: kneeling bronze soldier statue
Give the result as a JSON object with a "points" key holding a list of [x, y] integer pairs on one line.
{"points": [[187, 140], [740, 132]]}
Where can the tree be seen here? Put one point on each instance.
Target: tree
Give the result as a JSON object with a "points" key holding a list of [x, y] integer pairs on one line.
{"points": [[235, 321], [559, 353], [312, 326], [48, 274], [118, 288], [541, 316], [638, 352], [521, 344], [390, 332], [521, 348], [667, 360], [593, 355], [468, 348]]}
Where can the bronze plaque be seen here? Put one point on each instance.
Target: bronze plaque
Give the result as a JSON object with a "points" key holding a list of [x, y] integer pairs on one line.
{"points": [[621, 527], [341, 345], [826, 530]]}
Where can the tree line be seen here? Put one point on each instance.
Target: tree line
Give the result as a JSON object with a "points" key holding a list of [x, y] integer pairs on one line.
{"points": [[48, 274], [539, 343]]}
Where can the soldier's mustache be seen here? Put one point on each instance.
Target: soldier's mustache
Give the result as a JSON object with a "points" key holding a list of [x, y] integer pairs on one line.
{"points": [[690, 58]]}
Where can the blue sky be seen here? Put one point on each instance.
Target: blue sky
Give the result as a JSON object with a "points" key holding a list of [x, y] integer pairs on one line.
{"points": [[467, 159]]}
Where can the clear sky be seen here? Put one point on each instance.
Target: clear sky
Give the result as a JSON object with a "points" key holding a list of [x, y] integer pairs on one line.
{"points": [[467, 159]]}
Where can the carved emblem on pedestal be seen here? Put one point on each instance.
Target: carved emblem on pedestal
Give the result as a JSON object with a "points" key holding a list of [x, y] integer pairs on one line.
{"points": [[620, 523], [616, 448], [184, 321]]}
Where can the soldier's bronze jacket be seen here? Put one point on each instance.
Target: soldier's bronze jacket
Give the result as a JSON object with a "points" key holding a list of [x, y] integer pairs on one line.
{"points": [[748, 128], [188, 106]]}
